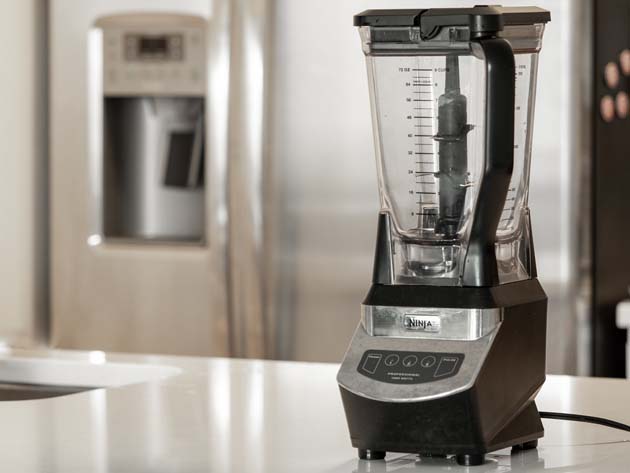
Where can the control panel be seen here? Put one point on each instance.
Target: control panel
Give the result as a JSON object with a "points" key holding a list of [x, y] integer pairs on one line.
{"points": [[154, 59], [406, 367]]}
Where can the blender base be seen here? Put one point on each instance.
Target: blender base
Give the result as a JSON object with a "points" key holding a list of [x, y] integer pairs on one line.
{"points": [[522, 433], [485, 405]]}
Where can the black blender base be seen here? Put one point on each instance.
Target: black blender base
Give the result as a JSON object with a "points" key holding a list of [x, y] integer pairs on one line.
{"points": [[521, 434]]}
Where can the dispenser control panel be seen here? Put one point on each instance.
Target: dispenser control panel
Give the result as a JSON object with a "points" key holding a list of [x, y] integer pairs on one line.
{"points": [[154, 47], [407, 367], [154, 60]]}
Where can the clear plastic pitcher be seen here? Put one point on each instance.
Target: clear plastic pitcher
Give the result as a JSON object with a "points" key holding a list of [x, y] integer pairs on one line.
{"points": [[452, 108]]}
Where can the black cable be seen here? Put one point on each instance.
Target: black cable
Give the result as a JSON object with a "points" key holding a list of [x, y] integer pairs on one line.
{"points": [[582, 418]]}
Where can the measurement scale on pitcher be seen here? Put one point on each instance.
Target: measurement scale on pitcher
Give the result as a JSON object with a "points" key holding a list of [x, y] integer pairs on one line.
{"points": [[521, 144], [424, 86], [425, 190]]}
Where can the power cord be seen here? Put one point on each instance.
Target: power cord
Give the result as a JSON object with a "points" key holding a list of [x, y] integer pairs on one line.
{"points": [[582, 418]]}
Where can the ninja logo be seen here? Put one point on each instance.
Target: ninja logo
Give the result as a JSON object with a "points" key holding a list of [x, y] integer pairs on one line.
{"points": [[422, 323]]}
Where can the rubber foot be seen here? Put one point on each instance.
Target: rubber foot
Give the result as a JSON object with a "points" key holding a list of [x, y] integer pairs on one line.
{"points": [[472, 459], [367, 454], [526, 446]]}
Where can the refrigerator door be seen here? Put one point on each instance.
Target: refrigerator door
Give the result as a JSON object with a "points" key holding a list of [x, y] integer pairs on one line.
{"points": [[147, 285]]}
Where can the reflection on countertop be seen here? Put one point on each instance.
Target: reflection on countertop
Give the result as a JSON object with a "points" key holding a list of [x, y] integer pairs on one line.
{"points": [[262, 416]]}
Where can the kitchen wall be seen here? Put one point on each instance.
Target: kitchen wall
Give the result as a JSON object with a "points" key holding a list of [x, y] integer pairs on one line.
{"points": [[23, 228]]}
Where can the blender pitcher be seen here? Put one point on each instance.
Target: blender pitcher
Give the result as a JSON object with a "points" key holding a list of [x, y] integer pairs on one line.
{"points": [[453, 144]]}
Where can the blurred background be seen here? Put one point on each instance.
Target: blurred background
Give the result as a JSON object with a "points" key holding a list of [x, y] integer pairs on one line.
{"points": [[225, 203]]}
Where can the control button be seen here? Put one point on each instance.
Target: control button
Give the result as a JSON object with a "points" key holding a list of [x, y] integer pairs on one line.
{"points": [[371, 362], [446, 366], [428, 361], [611, 75], [392, 360], [410, 361], [622, 104], [624, 61], [607, 108]]}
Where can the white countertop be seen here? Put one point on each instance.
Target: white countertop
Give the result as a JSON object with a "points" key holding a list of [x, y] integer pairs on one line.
{"points": [[235, 416]]}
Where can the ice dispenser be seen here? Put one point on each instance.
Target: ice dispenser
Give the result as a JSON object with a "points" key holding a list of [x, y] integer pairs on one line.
{"points": [[149, 89]]}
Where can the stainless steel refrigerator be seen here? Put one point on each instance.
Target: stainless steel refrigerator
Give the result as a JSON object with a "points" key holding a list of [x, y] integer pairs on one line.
{"points": [[276, 256]]}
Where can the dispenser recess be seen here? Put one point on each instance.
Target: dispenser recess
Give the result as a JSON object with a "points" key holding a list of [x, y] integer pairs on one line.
{"points": [[151, 96]]}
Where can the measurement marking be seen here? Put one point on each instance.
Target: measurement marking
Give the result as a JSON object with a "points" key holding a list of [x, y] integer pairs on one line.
{"points": [[429, 193], [423, 100], [423, 70], [424, 136], [423, 126], [424, 162], [423, 153], [421, 116]]}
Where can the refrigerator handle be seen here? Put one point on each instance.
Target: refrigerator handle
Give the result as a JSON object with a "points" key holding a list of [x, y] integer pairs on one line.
{"points": [[247, 171]]}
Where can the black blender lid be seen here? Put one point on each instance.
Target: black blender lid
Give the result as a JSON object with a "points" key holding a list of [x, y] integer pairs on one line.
{"points": [[481, 19]]}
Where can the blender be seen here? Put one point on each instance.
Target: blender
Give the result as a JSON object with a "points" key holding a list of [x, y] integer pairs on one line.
{"points": [[450, 351]]}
